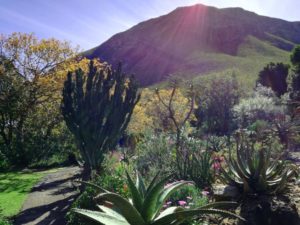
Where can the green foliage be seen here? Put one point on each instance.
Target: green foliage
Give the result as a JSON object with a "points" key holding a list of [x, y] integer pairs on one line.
{"points": [[113, 178], [214, 112], [190, 194], [253, 170], [275, 77], [295, 76], [145, 206], [155, 152], [201, 170], [97, 107], [295, 58], [263, 105], [195, 160], [29, 102]]}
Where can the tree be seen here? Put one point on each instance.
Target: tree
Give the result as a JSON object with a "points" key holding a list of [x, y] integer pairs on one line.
{"points": [[31, 76], [295, 77], [12, 100], [275, 77], [150, 113], [178, 123], [215, 102], [97, 107], [295, 58]]}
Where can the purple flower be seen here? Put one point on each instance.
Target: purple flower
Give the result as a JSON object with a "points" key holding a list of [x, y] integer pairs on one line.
{"points": [[182, 203], [205, 193]]}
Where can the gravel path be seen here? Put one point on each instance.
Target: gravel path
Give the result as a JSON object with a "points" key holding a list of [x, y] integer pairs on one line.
{"points": [[49, 200]]}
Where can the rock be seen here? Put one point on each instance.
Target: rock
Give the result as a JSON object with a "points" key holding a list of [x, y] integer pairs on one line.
{"points": [[225, 192]]}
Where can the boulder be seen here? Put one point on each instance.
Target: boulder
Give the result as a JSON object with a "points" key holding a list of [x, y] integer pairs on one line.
{"points": [[225, 192]]}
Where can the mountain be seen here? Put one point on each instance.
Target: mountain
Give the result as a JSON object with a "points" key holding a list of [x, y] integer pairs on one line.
{"points": [[198, 40]]}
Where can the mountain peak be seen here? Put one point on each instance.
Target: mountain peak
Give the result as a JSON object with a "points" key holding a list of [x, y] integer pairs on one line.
{"points": [[179, 40]]}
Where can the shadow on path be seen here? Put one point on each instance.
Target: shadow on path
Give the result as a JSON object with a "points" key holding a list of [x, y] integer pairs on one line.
{"points": [[49, 201]]}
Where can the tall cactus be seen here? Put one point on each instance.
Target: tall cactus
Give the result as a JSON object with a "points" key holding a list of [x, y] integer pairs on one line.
{"points": [[97, 107]]}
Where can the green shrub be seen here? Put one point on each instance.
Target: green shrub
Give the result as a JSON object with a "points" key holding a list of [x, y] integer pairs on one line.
{"points": [[202, 168], [4, 163], [214, 114], [263, 105], [191, 196], [195, 161], [155, 152], [113, 178]]}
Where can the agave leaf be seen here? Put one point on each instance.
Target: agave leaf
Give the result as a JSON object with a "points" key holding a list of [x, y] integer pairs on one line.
{"points": [[242, 165], [276, 171], [152, 183], [239, 171], [167, 192], [260, 166], [127, 210], [94, 186], [111, 212], [188, 214], [140, 185], [228, 177], [169, 210], [100, 217], [282, 183], [249, 161], [251, 165], [224, 204], [290, 173], [233, 169], [135, 194], [149, 208], [272, 168]]}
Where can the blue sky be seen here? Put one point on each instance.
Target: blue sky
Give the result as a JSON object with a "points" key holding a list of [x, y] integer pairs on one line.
{"points": [[88, 23]]}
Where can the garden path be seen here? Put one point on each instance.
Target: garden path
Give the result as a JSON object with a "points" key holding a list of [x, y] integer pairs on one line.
{"points": [[50, 199]]}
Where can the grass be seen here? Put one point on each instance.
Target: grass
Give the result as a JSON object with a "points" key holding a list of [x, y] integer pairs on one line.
{"points": [[252, 56], [14, 188]]}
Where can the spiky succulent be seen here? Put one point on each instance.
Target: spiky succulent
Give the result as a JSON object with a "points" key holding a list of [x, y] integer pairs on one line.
{"points": [[254, 171], [146, 205]]}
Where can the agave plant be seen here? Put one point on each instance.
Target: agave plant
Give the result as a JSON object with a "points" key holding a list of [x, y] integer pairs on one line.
{"points": [[146, 205], [253, 170]]}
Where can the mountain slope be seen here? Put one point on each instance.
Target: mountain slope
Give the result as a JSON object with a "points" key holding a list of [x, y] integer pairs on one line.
{"points": [[196, 40]]}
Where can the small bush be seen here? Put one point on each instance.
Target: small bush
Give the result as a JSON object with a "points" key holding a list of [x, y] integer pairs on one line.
{"points": [[155, 153]]}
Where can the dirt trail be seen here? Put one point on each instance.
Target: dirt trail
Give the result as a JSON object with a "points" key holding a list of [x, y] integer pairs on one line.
{"points": [[50, 199]]}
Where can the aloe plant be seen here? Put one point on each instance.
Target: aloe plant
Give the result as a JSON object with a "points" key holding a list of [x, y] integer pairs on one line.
{"points": [[146, 205], [253, 170]]}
